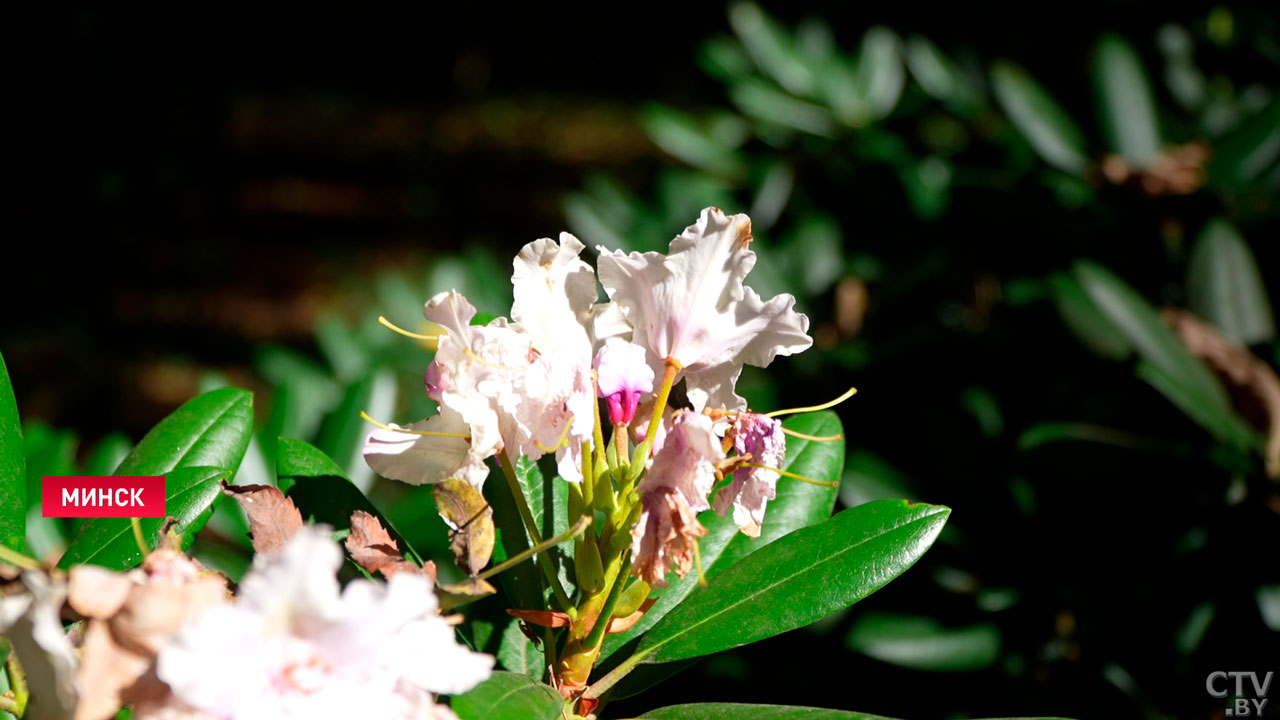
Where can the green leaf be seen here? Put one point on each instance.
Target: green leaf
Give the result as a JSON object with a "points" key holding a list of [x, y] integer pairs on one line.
{"points": [[1221, 422], [517, 653], [798, 504], [189, 496], [1086, 321], [880, 71], [1269, 605], [1140, 324], [342, 434], [683, 137], [922, 643], [772, 50], [1225, 286], [735, 711], [1248, 151], [1040, 119], [938, 75], [1125, 101], [107, 455], [322, 492], [509, 696], [211, 430], [13, 468], [797, 579]]}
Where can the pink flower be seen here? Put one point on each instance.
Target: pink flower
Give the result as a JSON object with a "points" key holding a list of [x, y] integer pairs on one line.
{"points": [[752, 488], [622, 376]]}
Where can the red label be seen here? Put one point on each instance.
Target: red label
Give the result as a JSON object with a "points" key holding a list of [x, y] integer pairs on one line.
{"points": [[90, 497]]}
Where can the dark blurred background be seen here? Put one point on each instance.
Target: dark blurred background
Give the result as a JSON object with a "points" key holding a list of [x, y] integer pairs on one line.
{"points": [[981, 209]]}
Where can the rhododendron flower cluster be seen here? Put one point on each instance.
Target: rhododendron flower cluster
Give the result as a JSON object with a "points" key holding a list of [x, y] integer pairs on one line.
{"points": [[569, 370]]}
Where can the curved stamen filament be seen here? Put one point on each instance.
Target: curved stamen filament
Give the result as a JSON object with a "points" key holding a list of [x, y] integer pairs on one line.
{"points": [[395, 328], [425, 433], [814, 408], [815, 438], [559, 443], [811, 481]]}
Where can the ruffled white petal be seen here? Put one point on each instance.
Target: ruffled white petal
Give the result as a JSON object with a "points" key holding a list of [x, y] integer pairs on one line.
{"points": [[419, 459]]}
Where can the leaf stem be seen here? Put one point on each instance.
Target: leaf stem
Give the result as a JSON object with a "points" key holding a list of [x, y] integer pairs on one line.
{"points": [[606, 611], [138, 536], [531, 526], [523, 555], [13, 557]]}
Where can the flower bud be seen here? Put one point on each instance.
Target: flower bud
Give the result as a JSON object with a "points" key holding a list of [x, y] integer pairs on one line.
{"points": [[622, 376]]}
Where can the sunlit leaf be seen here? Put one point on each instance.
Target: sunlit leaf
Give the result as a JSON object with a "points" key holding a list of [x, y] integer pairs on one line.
{"points": [[1125, 101], [13, 469], [1040, 119], [509, 696], [1225, 285]]}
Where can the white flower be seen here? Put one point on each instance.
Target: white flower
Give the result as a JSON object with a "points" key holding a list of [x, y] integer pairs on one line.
{"points": [[691, 306], [522, 387], [292, 646], [31, 622], [752, 487]]}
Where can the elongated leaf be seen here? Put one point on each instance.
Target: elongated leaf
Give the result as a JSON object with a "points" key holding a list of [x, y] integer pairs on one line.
{"points": [[342, 434], [1248, 151], [13, 468], [1040, 119], [734, 711], [798, 579], [518, 654], [189, 496], [1226, 288], [798, 504], [1125, 101], [880, 71], [921, 643], [1139, 322], [522, 583], [210, 430], [107, 455], [1221, 422], [322, 493], [1083, 318], [509, 696]]}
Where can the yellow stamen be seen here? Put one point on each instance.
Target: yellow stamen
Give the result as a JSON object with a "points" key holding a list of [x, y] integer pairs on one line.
{"points": [[815, 438], [365, 416], [559, 443], [697, 562], [814, 408], [780, 471], [416, 336]]}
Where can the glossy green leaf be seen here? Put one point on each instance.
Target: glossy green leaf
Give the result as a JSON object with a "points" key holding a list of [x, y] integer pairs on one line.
{"points": [[322, 492], [522, 583], [210, 430], [737, 711], [1040, 119], [798, 504], [1141, 326], [1225, 286], [509, 696], [13, 468], [517, 653], [189, 496], [922, 643], [798, 579], [1125, 100]]}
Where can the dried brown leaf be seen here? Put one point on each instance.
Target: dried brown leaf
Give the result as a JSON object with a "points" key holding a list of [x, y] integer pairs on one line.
{"points": [[1254, 383], [452, 596], [373, 549], [545, 618], [273, 518], [470, 520]]}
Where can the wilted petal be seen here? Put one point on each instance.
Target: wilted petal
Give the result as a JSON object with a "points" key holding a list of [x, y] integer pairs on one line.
{"points": [[663, 539], [686, 460], [752, 488]]}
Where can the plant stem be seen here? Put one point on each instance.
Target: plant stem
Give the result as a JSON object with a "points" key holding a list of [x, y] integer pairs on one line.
{"points": [[531, 526], [138, 537], [17, 559], [578, 527], [606, 611], [659, 406]]}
